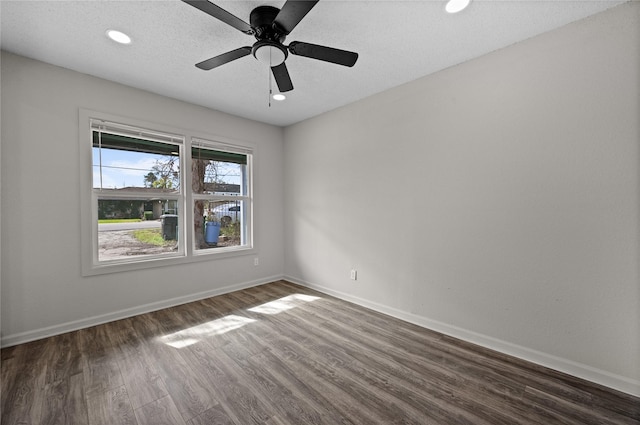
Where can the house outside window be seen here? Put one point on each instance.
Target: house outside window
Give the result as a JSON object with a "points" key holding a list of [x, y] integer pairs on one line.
{"points": [[159, 197]]}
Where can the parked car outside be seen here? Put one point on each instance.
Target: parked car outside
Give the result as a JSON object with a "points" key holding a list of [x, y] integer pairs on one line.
{"points": [[227, 212]]}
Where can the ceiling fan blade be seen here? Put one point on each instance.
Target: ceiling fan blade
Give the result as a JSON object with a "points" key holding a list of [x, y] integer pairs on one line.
{"points": [[221, 14], [281, 75], [224, 58], [292, 13], [323, 53]]}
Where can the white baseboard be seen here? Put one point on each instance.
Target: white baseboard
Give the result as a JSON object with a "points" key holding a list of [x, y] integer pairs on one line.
{"points": [[20, 338], [610, 380]]}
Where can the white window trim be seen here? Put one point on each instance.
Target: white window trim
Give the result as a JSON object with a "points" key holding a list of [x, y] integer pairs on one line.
{"points": [[186, 252], [246, 198]]}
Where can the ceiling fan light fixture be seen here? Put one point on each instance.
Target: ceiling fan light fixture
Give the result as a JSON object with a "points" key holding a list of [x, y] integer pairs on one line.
{"points": [[279, 97], [269, 54], [118, 36], [455, 6]]}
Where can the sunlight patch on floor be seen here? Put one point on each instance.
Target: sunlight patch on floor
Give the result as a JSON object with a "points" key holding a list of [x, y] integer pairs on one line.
{"points": [[283, 304], [194, 334]]}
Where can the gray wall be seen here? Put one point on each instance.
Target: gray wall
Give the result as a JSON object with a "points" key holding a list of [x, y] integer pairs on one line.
{"points": [[496, 200], [42, 288]]}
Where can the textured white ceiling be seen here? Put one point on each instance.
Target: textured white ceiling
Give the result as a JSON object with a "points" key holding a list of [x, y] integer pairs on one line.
{"points": [[398, 41]]}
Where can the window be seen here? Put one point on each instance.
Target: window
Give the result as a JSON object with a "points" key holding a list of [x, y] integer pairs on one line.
{"points": [[220, 193], [159, 197]]}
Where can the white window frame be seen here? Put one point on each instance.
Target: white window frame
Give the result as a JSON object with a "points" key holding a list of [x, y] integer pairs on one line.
{"points": [[186, 245], [246, 197]]}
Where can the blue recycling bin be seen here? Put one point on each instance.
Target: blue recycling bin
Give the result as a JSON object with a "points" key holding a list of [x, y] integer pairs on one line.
{"points": [[211, 232]]}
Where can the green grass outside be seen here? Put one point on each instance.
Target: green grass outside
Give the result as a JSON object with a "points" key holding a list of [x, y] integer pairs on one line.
{"points": [[119, 220], [231, 231], [151, 237]]}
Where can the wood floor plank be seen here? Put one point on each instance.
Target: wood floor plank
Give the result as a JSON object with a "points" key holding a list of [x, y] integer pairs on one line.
{"points": [[351, 397], [284, 354], [345, 406], [189, 391], [101, 373], [124, 337], [8, 376], [162, 411], [99, 361], [247, 406], [55, 402], [24, 404], [270, 369], [64, 402], [214, 416], [217, 331], [111, 407], [22, 393], [289, 405], [142, 380], [137, 366], [63, 357], [75, 408], [572, 413]]}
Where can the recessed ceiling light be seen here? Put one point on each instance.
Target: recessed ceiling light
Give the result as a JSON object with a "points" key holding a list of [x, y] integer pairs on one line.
{"points": [[455, 6], [279, 96], [119, 37]]}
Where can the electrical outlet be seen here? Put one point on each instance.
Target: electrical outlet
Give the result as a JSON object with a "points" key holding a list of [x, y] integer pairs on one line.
{"points": [[256, 261], [354, 274]]}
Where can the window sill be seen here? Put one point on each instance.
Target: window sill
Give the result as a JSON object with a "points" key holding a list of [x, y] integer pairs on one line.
{"points": [[173, 260]]}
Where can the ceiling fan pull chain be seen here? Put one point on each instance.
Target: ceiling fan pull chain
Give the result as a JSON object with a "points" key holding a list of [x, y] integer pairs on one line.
{"points": [[269, 71]]}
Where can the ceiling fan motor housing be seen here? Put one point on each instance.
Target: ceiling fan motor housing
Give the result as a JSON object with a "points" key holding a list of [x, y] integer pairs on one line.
{"points": [[262, 21]]}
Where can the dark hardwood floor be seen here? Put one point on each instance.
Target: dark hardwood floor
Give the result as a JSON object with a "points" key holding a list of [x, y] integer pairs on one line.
{"points": [[283, 354]]}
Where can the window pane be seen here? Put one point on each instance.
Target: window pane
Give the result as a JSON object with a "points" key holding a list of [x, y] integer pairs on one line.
{"points": [[125, 163], [138, 227], [219, 224], [217, 177]]}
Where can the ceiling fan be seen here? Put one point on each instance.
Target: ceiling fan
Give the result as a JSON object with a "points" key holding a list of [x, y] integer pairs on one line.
{"points": [[270, 26]]}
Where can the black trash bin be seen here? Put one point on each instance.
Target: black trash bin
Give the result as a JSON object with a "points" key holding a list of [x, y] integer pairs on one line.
{"points": [[169, 227]]}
